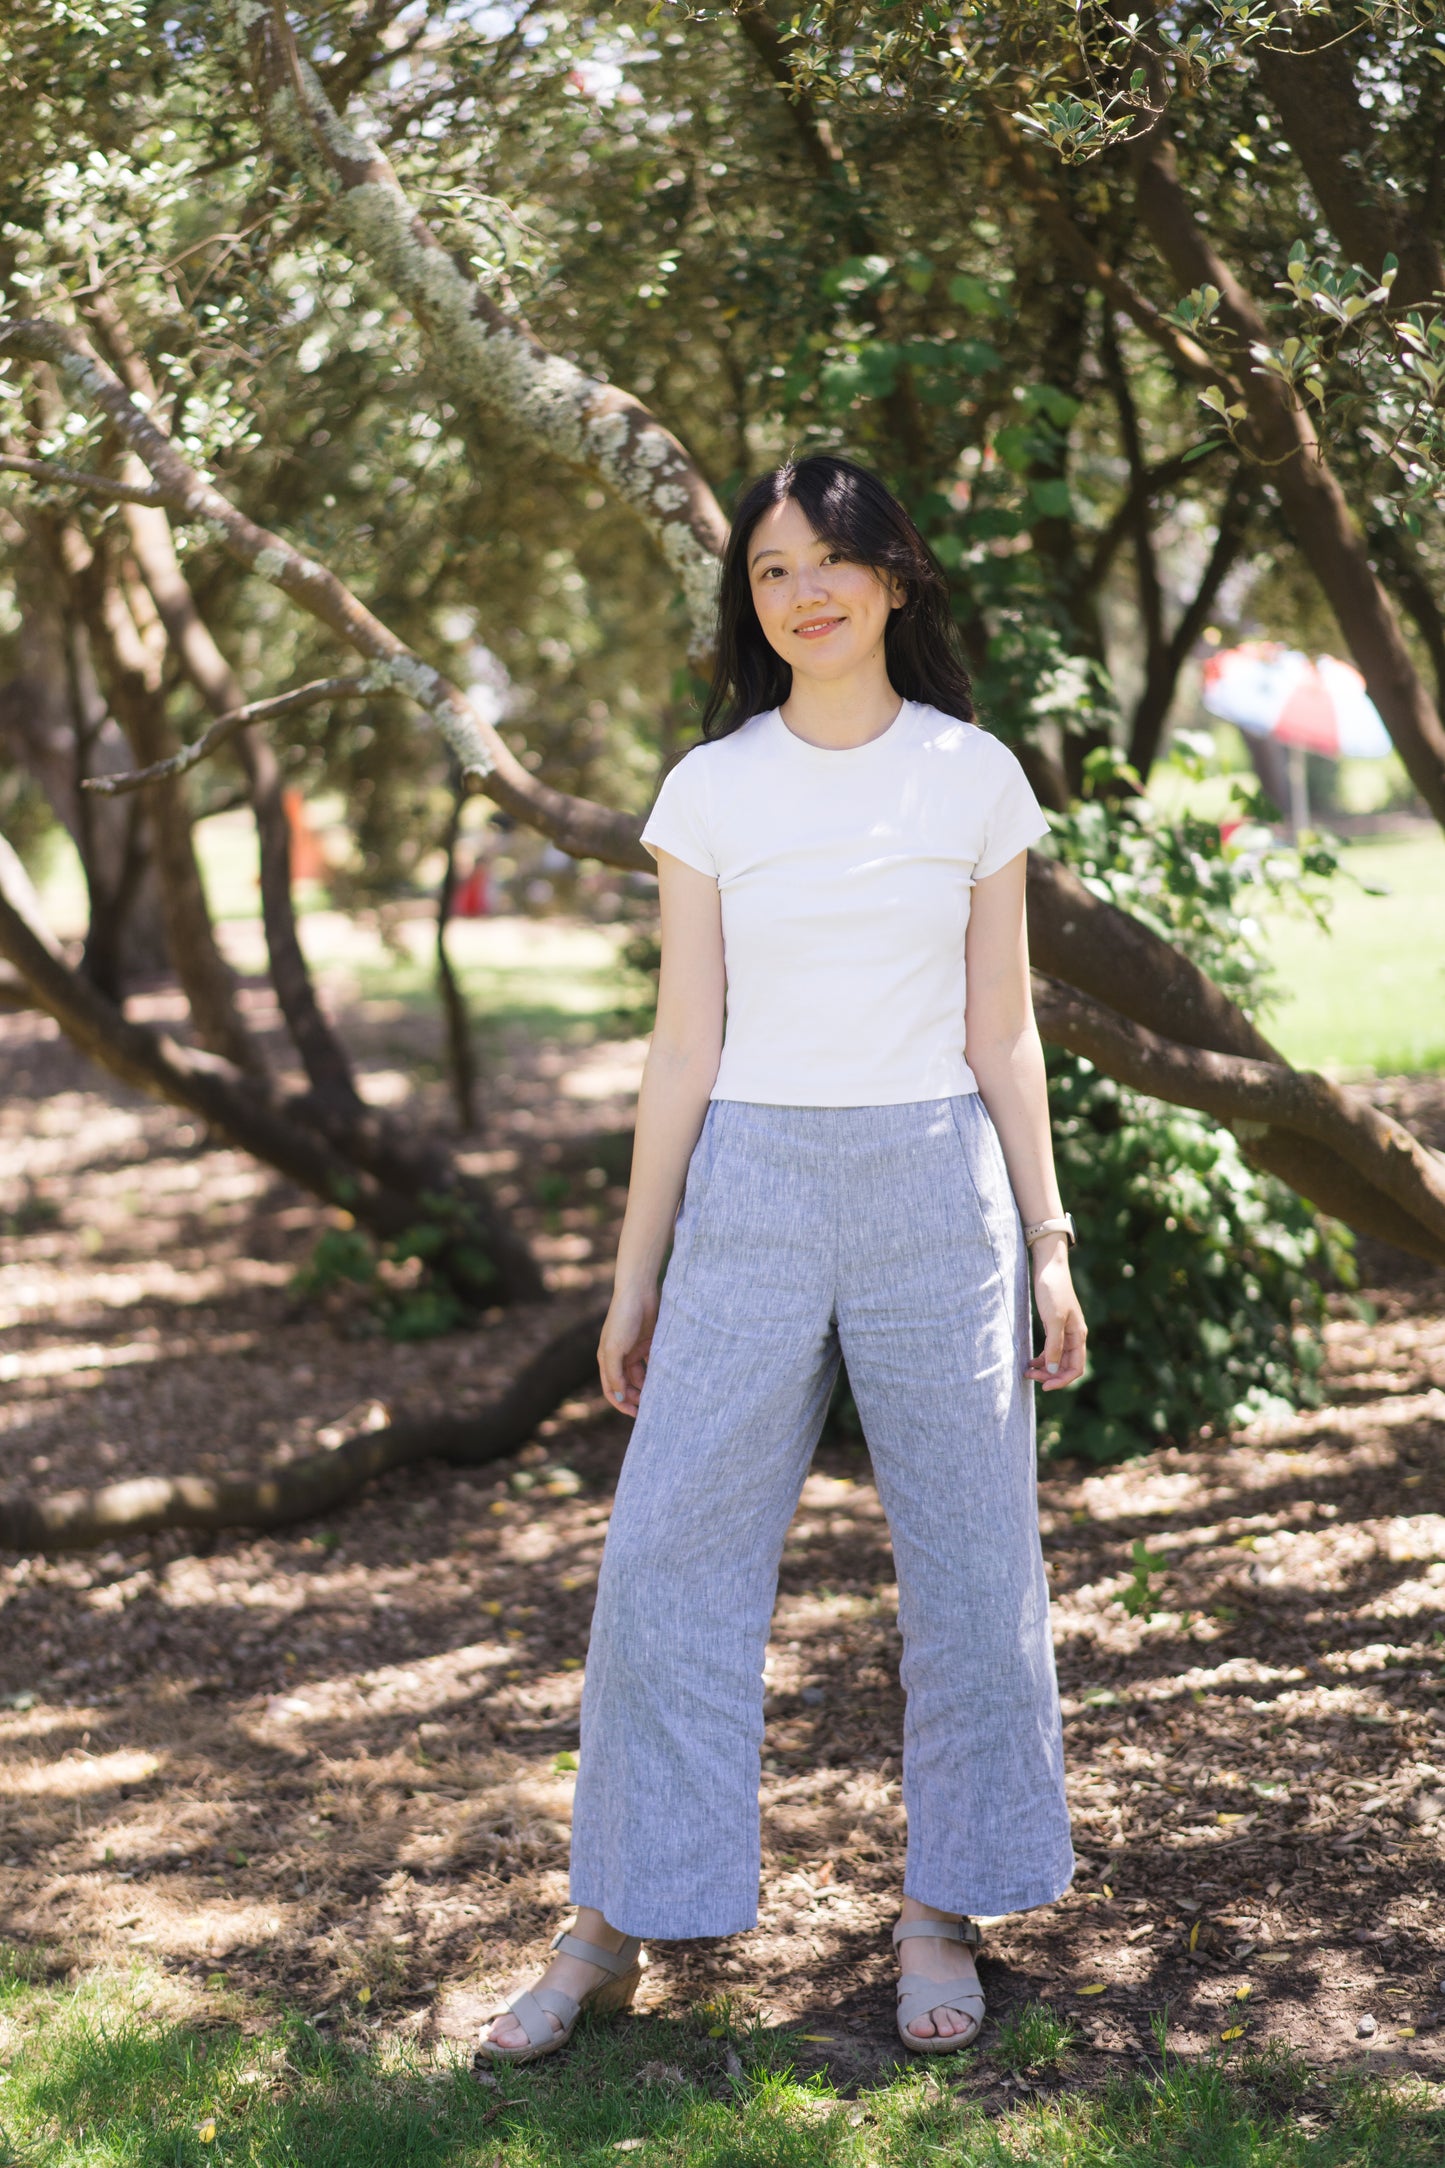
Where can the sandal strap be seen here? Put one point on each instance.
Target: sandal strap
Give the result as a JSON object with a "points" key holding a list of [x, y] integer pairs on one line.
{"points": [[529, 2006], [617, 1962], [918, 1995], [965, 1931]]}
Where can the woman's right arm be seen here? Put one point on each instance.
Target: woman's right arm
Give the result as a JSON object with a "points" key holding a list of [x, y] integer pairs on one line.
{"points": [[681, 1069]]}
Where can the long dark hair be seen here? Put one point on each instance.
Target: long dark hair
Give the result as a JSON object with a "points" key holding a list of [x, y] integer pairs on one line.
{"points": [[851, 509]]}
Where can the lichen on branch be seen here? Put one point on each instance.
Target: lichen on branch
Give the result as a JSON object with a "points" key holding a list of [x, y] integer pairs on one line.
{"points": [[489, 357]]}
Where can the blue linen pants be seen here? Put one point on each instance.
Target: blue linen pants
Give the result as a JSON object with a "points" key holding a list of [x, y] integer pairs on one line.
{"points": [[889, 1234]]}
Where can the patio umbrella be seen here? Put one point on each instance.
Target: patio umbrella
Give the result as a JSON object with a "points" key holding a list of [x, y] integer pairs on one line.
{"points": [[1307, 704]]}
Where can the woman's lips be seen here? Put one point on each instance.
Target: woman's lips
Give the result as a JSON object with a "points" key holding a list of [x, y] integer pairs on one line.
{"points": [[817, 628]]}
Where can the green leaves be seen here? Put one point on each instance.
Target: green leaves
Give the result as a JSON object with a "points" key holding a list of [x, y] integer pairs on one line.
{"points": [[856, 275], [1138, 1597], [426, 1282], [1201, 1279]]}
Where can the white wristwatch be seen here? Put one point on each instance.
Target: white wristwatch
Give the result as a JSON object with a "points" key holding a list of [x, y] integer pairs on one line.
{"points": [[1064, 1226]]}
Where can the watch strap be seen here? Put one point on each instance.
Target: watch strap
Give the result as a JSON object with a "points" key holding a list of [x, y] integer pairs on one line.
{"points": [[1061, 1226]]}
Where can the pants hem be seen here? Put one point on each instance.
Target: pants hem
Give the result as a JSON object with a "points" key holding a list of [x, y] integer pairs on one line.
{"points": [[946, 1895], [652, 1925]]}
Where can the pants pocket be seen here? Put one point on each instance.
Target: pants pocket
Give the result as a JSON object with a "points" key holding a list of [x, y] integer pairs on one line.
{"points": [[696, 1183], [986, 1176]]}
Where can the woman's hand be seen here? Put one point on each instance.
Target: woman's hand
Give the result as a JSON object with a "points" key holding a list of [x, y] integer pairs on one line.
{"points": [[623, 1349], [1061, 1360]]}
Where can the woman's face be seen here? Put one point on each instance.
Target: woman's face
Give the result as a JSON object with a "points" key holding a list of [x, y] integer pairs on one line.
{"points": [[823, 613]]}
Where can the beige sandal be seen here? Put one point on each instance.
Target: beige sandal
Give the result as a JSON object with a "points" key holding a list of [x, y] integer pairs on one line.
{"points": [[918, 1995], [530, 2006]]}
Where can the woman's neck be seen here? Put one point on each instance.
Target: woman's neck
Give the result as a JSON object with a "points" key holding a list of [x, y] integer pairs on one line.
{"points": [[843, 712]]}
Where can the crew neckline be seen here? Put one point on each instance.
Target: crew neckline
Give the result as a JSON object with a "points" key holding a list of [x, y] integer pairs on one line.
{"points": [[840, 752]]}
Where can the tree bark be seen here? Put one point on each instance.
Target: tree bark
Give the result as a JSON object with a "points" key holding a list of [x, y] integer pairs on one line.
{"points": [[56, 727], [1168, 654], [131, 677], [241, 1105], [461, 1064], [324, 1057], [1104, 954]]}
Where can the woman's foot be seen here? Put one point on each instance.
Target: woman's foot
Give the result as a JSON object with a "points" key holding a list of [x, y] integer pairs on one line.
{"points": [[572, 1975], [943, 1961]]}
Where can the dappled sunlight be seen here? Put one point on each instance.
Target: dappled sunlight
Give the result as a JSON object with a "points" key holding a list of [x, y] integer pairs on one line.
{"points": [[337, 1762]]}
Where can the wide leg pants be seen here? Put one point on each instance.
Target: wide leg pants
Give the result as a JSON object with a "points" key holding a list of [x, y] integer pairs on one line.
{"points": [[888, 1233]]}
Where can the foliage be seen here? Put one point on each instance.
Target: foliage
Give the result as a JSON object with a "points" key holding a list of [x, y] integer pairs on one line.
{"points": [[1138, 1597], [1182, 878], [431, 1279], [1201, 1279]]}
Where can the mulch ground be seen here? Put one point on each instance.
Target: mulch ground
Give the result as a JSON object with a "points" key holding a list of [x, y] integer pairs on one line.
{"points": [[331, 1768]]}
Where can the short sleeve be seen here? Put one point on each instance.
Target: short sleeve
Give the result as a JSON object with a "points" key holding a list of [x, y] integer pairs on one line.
{"points": [[678, 821], [1015, 818]]}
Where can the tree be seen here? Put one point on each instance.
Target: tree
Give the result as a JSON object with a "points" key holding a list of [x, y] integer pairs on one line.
{"points": [[221, 300]]}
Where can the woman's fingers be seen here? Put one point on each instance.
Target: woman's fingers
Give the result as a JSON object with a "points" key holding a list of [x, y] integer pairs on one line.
{"points": [[623, 1369], [1060, 1361]]}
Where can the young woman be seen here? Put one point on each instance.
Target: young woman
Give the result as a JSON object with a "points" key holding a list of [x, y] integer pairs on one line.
{"points": [[865, 1169]]}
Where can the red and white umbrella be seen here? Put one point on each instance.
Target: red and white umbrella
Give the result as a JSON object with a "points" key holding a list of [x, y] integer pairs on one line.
{"points": [[1316, 703]]}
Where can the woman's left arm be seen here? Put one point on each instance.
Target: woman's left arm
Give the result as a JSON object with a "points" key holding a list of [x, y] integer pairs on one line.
{"points": [[1005, 1054]]}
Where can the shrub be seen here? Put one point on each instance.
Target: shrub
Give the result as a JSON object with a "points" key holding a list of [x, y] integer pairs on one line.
{"points": [[1200, 1278], [430, 1280]]}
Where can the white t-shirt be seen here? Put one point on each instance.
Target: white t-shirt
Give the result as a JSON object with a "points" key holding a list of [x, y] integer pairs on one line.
{"points": [[845, 878]]}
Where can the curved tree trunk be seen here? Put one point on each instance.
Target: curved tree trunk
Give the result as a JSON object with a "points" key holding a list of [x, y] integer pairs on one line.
{"points": [[82, 1520], [384, 1183]]}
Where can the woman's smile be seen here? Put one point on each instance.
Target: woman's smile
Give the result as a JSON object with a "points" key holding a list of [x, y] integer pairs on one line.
{"points": [[817, 628]]}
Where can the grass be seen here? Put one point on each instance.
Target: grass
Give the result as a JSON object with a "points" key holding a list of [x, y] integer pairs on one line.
{"points": [[103, 2074], [552, 978], [1369, 993]]}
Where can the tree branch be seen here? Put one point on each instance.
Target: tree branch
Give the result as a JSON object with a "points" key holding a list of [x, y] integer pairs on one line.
{"points": [[488, 358], [225, 728], [98, 485], [1152, 482], [486, 761], [1168, 657], [317, 1483], [1312, 88], [1107, 953], [1262, 1095], [1281, 436], [243, 1106], [1077, 249]]}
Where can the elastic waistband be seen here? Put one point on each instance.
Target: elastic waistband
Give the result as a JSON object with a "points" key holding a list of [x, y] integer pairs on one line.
{"points": [[895, 1118]]}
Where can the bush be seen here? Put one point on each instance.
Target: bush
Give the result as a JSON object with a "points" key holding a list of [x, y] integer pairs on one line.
{"points": [[432, 1279], [1200, 1279]]}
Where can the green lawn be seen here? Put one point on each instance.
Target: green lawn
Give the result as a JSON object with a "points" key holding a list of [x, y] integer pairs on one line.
{"points": [[1370, 992], [102, 2074]]}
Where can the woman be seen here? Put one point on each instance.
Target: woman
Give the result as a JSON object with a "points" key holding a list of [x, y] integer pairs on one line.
{"points": [[842, 856]]}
